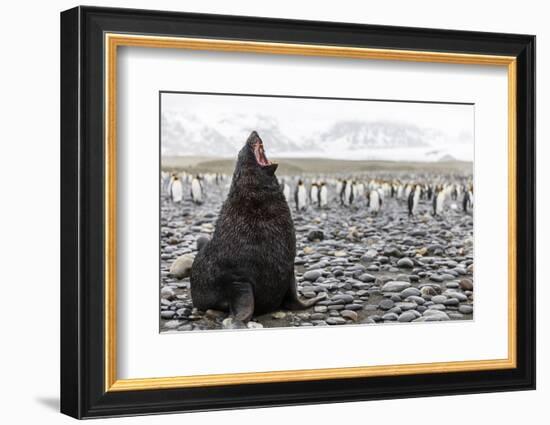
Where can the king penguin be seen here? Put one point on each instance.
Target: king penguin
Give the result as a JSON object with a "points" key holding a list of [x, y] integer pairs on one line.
{"points": [[408, 190], [323, 196], [374, 201], [314, 194], [286, 191], [414, 197], [346, 196], [300, 196], [339, 186], [400, 190], [165, 180], [196, 190], [176, 189], [439, 200], [468, 199]]}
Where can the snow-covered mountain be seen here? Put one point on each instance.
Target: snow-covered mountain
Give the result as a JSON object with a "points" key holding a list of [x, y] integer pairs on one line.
{"points": [[187, 134], [356, 135]]}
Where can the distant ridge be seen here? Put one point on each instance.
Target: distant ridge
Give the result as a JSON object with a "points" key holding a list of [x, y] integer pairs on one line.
{"points": [[447, 158], [295, 166]]}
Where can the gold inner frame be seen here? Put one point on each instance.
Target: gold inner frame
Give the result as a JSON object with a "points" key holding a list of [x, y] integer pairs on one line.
{"points": [[113, 41]]}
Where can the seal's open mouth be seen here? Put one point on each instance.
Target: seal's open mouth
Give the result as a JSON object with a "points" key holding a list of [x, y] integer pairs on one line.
{"points": [[259, 153]]}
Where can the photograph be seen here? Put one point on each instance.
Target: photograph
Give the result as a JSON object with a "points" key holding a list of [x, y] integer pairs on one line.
{"points": [[286, 210], [291, 211]]}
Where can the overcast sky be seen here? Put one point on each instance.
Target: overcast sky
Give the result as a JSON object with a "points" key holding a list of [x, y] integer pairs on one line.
{"points": [[302, 118]]}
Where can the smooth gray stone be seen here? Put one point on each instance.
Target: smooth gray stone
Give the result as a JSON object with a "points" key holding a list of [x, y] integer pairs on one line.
{"points": [[466, 309], [385, 304], [405, 263], [415, 299], [458, 295], [407, 316], [435, 314], [172, 324], [390, 316], [439, 299], [312, 275], [336, 321], [365, 277], [187, 327], [396, 310], [395, 286], [451, 301], [343, 298], [168, 314], [406, 305], [167, 292], [410, 292]]}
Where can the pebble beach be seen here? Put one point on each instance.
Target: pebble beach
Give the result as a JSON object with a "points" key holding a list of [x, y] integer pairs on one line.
{"points": [[373, 268]]}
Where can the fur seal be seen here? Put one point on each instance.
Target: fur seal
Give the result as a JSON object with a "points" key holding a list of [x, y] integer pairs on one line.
{"points": [[247, 268]]}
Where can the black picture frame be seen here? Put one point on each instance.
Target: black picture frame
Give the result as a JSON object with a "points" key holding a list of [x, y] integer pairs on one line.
{"points": [[83, 392]]}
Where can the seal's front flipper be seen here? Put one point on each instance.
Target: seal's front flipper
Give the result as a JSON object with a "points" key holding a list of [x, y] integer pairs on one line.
{"points": [[241, 301], [230, 323], [293, 302]]}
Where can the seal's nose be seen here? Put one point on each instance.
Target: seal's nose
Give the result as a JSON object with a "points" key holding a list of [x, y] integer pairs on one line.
{"points": [[254, 138]]}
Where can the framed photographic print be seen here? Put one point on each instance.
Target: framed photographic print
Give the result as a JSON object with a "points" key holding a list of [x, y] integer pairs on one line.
{"points": [[261, 212]]}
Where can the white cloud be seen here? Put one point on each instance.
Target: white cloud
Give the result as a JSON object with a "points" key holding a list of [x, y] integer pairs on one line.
{"points": [[195, 124]]}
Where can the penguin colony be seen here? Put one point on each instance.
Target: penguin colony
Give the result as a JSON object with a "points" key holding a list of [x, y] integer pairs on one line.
{"points": [[417, 194]]}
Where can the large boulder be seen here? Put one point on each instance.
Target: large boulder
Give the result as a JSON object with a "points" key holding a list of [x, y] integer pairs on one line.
{"points": [[181, 268]]}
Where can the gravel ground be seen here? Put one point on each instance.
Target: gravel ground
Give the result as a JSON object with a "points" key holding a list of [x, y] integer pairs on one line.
{"points": [[374, 268]]}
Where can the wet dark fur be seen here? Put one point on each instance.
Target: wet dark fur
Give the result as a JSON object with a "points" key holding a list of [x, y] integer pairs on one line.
{"points": [[248, 266]]}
